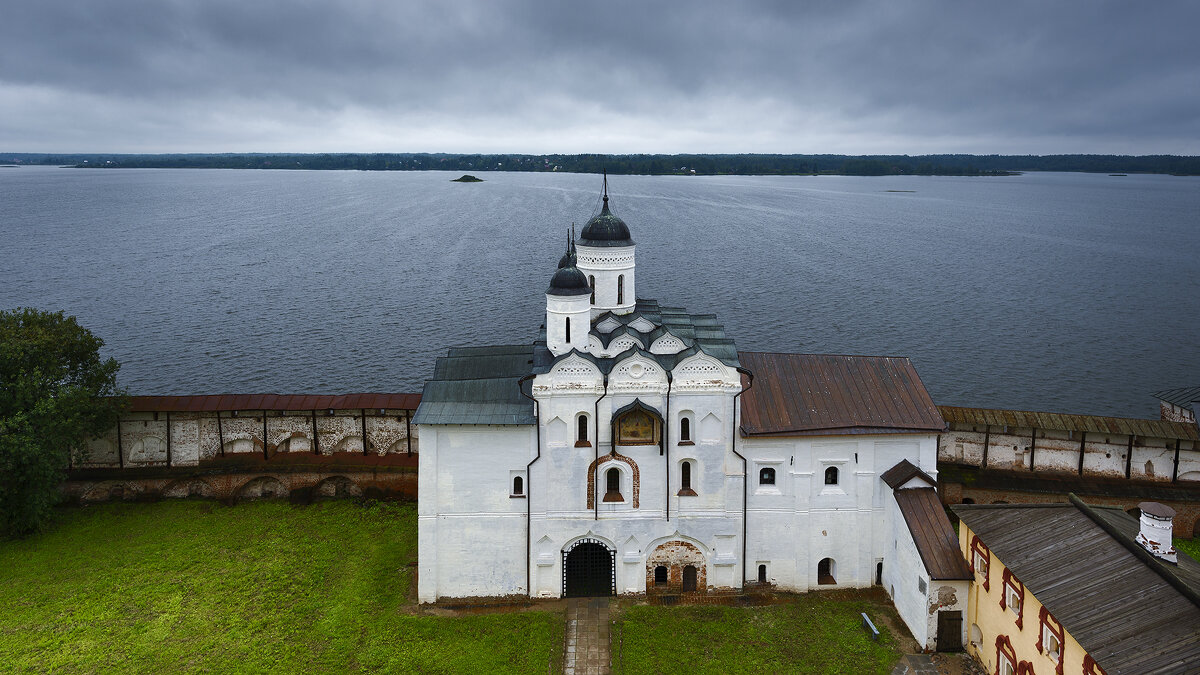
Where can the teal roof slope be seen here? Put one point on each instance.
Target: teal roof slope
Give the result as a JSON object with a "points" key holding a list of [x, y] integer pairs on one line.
{"points": [[699, 333], [478, 385]]}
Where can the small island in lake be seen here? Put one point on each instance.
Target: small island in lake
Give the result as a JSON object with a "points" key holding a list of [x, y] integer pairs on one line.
{"points": [[467, 178]]}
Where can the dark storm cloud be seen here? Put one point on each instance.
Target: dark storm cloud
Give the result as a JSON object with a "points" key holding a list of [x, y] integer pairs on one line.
{"points": [[621, 76]]}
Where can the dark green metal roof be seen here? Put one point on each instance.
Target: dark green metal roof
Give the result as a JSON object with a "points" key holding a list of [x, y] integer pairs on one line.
{"points": [[699, 332], [478, 385]]}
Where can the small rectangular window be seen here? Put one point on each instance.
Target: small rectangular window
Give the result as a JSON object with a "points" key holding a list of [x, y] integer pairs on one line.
{"points": [[1014, 600]]}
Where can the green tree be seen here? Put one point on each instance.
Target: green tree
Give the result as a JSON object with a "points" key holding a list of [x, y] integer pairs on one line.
{"points": [[56, 393]]}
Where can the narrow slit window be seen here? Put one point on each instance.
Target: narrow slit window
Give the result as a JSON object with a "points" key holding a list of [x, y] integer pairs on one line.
{"points": [[592, 285], [685, 476], [568, 329], [581, 431], [518, 485], [621, 289], [685, 430]]}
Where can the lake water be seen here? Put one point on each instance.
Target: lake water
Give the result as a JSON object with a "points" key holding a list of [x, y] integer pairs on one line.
{"points": [[1055, 292]]}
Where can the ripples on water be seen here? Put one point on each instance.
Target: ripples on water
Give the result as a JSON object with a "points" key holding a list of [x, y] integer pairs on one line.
{"points": [[1060, 292]]}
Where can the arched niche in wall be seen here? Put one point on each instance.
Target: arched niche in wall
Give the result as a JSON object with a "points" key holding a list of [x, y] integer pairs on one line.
{"points": [[637, 424], [148, 449]]}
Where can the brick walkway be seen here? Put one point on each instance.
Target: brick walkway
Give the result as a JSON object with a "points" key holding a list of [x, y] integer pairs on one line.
{"points": [[587, 637]]}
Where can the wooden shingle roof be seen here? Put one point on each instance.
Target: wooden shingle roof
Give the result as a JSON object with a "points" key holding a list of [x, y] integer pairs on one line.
{"points": [[1135, 614], [224, 402], [933, 534], [1126, 426]]}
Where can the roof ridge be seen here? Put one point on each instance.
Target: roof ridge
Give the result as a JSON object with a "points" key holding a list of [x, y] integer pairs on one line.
{"points": [[1048, 412], [857, 356], [1145, 557]]}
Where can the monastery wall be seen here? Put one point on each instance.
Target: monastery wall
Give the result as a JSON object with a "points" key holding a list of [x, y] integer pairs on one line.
{"points": [[249, 454], [988, 464]]}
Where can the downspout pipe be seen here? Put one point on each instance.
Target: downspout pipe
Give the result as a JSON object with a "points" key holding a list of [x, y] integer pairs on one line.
{"points": [[537, 411], [745, 466], [596, 451], [666, 441]]}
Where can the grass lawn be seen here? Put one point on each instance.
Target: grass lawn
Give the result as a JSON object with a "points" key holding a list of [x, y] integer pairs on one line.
{"points": [[814, 633], [196, 586], [1189, 546]]}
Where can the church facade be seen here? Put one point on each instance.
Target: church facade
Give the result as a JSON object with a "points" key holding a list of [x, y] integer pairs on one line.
{"points": [[632, 449]]}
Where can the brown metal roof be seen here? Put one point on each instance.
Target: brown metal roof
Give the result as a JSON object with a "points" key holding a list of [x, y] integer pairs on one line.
{"points": [[215, 402], [1118, 606], [933, 534], [900, 474], [1062, 422], [828, 394]]}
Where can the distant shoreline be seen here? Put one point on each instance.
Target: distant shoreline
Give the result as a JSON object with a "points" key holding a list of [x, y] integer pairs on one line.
{"points": [[654, 165]]}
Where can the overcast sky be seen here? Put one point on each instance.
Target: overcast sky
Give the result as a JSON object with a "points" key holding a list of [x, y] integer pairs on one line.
{"points": [[869, 77]]}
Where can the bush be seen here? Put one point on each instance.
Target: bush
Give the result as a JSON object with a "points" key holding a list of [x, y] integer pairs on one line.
{"points": [[56, 393]]}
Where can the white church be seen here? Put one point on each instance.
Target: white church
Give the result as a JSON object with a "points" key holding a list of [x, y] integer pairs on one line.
{"points": [[631, 449]]}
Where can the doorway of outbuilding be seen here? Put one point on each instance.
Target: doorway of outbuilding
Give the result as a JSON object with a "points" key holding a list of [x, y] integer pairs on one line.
{"points": [[949, 631]]}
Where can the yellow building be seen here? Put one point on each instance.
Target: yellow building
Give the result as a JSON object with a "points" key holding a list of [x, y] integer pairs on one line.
{"points": [[1072, 589]]}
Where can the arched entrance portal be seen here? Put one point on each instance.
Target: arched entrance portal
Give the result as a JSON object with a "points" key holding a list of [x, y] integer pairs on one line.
{"points": [[589, 568]]}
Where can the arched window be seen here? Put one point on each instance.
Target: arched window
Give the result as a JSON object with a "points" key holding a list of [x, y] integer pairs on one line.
{"points": [[613, 492], [825, 571], [581, 431], [762, 574], [685, 479], [660, 575], [685, 430], [568, 330], [831, 476], [621, 289], [518, 486], [592, 285], [766, 476]]}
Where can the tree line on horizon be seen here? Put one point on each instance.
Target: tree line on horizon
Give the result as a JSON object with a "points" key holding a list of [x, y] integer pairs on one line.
{"points": [[643, 164]]}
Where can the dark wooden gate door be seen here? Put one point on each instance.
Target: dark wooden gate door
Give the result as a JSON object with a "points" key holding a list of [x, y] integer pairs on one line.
{"points": [[949, 635], [588, 570]]}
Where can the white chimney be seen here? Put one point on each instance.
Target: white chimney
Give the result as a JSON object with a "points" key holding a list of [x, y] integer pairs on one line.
{"points": [[1155, 535]]}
